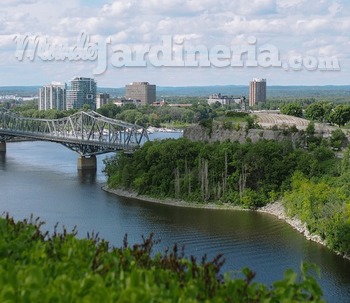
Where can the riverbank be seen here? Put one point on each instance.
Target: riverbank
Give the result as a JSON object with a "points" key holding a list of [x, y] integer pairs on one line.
{"points": [[167, 201], [275, 209]]}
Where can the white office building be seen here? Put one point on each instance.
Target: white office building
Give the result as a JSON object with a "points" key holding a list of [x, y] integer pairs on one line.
{"points": [[52, 96]]}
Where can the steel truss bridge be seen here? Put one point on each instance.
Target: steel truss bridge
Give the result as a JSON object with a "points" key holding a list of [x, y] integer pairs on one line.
{"points": [[87, 133]]}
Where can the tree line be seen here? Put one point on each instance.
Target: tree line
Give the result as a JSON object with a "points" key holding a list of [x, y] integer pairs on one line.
{"points": [[249, 175], [321, 111]]}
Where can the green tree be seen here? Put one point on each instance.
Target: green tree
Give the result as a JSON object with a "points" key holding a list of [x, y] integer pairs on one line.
{"points": [[340, 115], [86, 107], [310, 129], [109, 110], [345, 163], [315, 111], [337, 138], [292, 109]]}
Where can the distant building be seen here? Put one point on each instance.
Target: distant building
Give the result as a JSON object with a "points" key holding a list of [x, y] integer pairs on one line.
{"points": [[122, 102], [225, 100], [257, 91], [180, 104], [101, 99], [142, 91], [52, 96], [81, 91], [159, 103]]}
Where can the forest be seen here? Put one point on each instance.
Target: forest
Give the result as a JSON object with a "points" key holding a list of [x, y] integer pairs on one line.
{"points": [[310, 182]]}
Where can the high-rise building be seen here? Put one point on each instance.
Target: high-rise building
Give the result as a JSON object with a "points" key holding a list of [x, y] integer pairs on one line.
{"points": [[101, 99], [52, 96], [257, 91], [142, 91], [81, 91]]}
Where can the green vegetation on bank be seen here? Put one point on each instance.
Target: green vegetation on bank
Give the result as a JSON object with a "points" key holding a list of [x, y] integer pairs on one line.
{"points": [[37, 267], [249, 175]]}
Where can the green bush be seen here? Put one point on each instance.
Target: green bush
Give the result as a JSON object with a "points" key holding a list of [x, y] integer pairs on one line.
{"points": [[37, 267]]}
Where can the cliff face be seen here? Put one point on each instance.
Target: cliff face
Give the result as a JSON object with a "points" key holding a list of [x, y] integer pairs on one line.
{"points": [[219, 133]]}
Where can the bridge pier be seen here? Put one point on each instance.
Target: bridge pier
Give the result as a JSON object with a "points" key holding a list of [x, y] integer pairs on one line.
{"points": [[88, 163], [2, 146]]}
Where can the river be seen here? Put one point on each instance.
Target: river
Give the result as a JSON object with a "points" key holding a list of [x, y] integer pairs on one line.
{"points": [[41, 178]]}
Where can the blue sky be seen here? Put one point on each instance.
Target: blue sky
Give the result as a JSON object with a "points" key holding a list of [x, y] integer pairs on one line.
{"points": [[302, 29]]}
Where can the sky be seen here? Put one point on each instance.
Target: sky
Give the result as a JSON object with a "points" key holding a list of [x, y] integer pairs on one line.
{"points": [[175, 42]]}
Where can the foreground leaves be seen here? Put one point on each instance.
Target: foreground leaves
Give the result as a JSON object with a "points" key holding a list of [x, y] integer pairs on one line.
{"points": [[37, 267]]}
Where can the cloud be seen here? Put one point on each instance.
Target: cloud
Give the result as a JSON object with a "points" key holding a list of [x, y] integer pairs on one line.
{"points": [[335, 9], [116, 8], [257, 7], [293, 26], [316, 25], [175, 7], [15, 3]]}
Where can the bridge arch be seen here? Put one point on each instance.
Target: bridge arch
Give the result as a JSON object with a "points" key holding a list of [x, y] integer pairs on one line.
{"points": [[87, 133]]}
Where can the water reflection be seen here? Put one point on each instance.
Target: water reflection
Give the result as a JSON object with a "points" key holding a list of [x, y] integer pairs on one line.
{"points": [[3, 160], [87, 176]]}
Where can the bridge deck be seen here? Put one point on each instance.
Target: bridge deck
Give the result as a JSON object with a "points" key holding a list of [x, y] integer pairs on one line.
{"points": [[86, 133]]}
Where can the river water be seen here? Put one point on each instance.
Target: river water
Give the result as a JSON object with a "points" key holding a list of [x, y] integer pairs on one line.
{"points": [[41, 178]]}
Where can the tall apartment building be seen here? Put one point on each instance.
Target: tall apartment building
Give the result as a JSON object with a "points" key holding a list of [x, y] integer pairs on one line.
{"points": [[81, 91], [52, 96], [142, 91], [101, 99], [257, 91]]}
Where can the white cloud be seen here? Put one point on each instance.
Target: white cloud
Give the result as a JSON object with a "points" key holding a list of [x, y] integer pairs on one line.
{"points": [[175, 7], [293, 26], [316, 25], [116, 9], [335, 9], [17, 2], [257, 7]]}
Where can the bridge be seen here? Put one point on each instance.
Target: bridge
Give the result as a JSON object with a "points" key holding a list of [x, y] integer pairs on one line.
{"points": [[87, 133]]}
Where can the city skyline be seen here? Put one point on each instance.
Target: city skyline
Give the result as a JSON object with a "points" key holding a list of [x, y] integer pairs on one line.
{"points": [[311, 30]]}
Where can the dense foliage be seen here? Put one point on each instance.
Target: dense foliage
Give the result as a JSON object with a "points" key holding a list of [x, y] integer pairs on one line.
{"points": [[292, 109], [327, 112], [312, 183], [243, 174], [324, 205], [321, 111], [37, 267]]}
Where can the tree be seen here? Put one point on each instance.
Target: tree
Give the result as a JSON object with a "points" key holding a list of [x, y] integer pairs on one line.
{"points": [[292, 109], [315, 111], [337, 138], [345, 163], [109, 110], [310, 129], [86, 107], [340, 115]]}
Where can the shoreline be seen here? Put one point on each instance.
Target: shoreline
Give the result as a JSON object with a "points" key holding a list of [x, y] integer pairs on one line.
{"points": [[275, 209], [166, 201]]}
